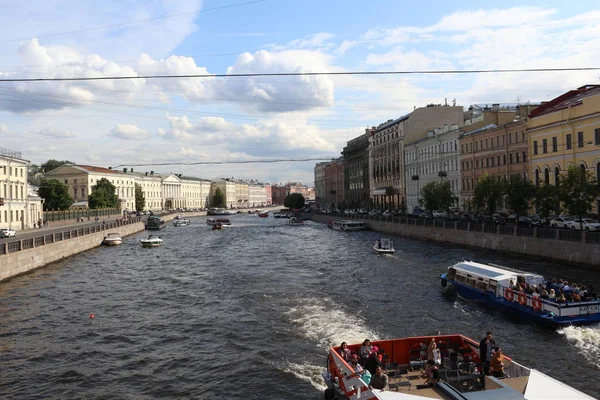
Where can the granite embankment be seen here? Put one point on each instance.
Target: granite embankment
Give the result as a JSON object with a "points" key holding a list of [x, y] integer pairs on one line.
{"points": [[558, 250], [47, 249]]}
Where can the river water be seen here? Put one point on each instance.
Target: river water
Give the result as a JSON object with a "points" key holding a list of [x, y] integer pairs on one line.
{"points": [[248, 312]]}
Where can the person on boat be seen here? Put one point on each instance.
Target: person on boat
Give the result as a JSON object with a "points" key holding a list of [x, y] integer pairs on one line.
{"points": [[486, 348], [380, 380], [355, 364], [372, 362], [345, 352], [433, 353], [551, 294], [365, 350], [431, 374], [497, 364]]}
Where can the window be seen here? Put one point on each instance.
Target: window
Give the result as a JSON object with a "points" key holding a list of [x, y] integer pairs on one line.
{"points": [[545, 146], [524, 156], [504, 159], [502, 140], [535, 149], [582, 166], [487, 162], [517, 158], [597, 136], [547, 176], [477, 163], [598, 173], [475, 146], [462, 148], [510, 159], [569, 144], [523, 136], [487, 144], [498, 141], [492, 158], [556, 176], [554, 144], [516, 137], [498, 160], [579, 139], [509, 138]]}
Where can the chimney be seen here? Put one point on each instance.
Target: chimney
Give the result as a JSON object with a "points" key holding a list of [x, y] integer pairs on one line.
{"points": [[109, 167], [151, 172], [146, 173], [125, 170]]}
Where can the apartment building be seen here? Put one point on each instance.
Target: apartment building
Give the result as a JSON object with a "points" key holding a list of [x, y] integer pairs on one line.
{"points": [[227, 188], [319, 183], [334, 182], [356, 171]]}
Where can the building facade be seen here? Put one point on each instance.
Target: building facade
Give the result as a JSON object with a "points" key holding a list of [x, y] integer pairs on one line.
{"points": [[268, 195], [256, 195], [499, 151], [432, 159], [565, 131], [151, 189], [334, 183], [228, 190], [80, 179], [279, 193], [320, 183], [19, 208], [195, 191], [386, 164], [356, 171]]}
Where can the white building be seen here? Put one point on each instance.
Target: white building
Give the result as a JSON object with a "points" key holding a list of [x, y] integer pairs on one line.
{"points": [[227, 189], [432, 159], [257, 195], [151, 189], [195, 191], [18, 208]]}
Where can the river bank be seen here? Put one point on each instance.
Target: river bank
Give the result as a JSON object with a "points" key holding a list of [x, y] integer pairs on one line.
{"points": [[556, 250]]}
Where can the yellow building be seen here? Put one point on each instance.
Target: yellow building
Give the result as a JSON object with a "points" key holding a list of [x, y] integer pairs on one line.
{"points": [[565, 131]]}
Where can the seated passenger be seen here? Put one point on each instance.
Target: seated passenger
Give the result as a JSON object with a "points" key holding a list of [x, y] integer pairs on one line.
{"points": [[380, 380], [551, 294], [432, 375], [544, 294], [576, 297], [365, 350], [345, 352], [561, 298], [372, 363], [355, 365], [497, 364]]}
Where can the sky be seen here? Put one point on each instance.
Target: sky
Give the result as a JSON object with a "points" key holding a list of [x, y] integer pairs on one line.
{"points": [[221, 119]]}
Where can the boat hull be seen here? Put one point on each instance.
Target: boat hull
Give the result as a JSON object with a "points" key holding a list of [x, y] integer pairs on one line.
{"points": [[383, 251], [112, 242], [146, 244], [518, 311]]}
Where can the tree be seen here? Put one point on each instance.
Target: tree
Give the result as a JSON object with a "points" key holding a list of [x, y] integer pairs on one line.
{"points": [[518, 193], [577, 191], [218, 200], [437, 196], [34, 174], [140, 200], [488, 193], [55, 195], [402, 207], [103, 195], [546, 200], [52, 164], [294, 200]]}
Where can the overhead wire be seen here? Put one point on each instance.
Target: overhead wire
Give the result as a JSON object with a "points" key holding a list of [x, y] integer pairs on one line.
{"points": [[228, 162]]}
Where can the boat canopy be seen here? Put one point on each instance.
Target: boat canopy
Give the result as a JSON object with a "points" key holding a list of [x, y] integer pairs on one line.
{"points": [[502, 275]]}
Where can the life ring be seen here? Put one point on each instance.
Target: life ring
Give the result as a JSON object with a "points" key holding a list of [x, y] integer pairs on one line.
{"points": [[509, 294], [536, 303], [522, 298]]}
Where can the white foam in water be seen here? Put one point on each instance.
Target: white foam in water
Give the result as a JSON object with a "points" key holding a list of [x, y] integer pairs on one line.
{"points": [[586, 339], [308, 373], [328, 325]]}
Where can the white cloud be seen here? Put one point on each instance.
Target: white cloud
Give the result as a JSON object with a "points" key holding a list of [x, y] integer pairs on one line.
{"points": [[128, 132], [53, 132], [3, 128]]}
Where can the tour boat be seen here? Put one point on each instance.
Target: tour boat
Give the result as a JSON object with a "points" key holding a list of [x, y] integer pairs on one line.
{"points": [[295, 221], [491, 284], [222, 221], [112, 239], [217, 211], [217, 226], [348, 225], [384, 246], [155, 223], [152, 241], [181, 222], [404, 360]]}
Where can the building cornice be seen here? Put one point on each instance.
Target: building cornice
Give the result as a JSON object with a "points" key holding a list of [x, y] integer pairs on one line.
{"points": [[563, 122]]}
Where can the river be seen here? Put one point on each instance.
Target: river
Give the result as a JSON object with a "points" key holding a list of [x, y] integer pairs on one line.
{"points": [[248, 312]]}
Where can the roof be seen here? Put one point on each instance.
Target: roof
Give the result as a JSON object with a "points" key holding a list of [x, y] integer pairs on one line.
{"points": [[492, 272], [193, 178], [482, 129], [99, 170], [388, 124], [568, 99]]}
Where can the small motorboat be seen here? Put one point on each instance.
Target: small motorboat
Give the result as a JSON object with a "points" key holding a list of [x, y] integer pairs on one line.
{"points": [[181, 222], [263, 214], [384, 246], [295, 221], [152, 241], [217, 226], [112, 239]]}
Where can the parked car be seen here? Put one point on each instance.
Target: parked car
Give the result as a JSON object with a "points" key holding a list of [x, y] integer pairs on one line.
{"points": [[561, 222], [6, 233], [588, 224], [530, 222]]}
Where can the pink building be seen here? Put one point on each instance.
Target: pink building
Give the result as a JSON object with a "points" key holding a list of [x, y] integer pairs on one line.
{"points": [[269, 195]]}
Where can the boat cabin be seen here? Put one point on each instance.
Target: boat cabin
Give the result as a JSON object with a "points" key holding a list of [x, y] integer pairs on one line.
{"points": [[348, 225]]}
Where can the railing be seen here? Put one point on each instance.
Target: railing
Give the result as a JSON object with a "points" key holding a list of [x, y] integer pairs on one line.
{"points": [[64, 215], [24, 244], [489, 228]]}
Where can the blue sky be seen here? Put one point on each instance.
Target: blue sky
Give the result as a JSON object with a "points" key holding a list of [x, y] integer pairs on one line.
{"points": [[132, 122]]}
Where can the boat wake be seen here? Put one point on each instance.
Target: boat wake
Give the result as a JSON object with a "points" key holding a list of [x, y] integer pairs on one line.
{"points": [[307, 373], [586, 339], [320, 320]]}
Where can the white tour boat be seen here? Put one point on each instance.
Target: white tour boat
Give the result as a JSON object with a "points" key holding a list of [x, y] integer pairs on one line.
{"points": [[152, 241], [348, 225], [112, 239], [181, 222], [384, 246], [295, 221]]}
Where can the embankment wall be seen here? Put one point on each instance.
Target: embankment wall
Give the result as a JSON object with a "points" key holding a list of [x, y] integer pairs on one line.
{"points": [[558, 250]]}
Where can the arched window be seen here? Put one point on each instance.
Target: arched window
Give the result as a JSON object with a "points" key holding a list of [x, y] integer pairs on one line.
{"points": [[598, 172], [556, 176], [537, 177], [547, 176], [582, 166]]}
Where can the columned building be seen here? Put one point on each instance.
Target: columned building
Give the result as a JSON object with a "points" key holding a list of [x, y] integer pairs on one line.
{"points": [[19, 209], [432, 159], [320, 183], [356, 171]]}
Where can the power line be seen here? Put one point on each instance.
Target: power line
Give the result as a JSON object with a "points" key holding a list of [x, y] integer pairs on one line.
{"points": [[136, 22], [227, 162], [250, 75]]}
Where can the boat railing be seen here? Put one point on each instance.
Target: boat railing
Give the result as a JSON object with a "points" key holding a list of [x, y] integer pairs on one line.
{"points": [[515, 370], [346, 380]]}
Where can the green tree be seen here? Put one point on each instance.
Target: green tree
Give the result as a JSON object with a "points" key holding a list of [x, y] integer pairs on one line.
{"points": [[577, 191], [55, 195], [52, 164], [103, 195], [546, 200], [218, 200], [402, 207], [519, 191], [437, 196], [140, 200], [294, 200], [488, 193]]}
